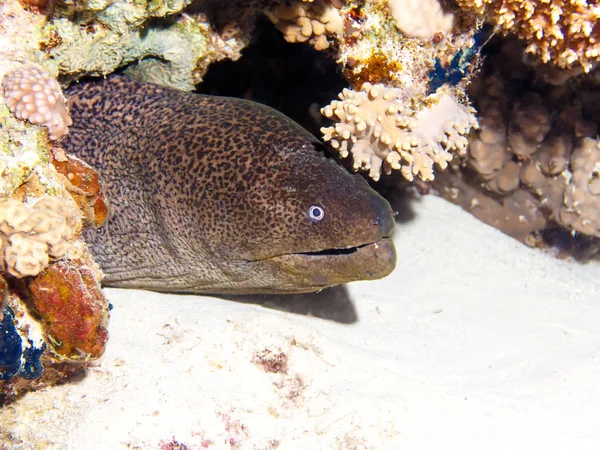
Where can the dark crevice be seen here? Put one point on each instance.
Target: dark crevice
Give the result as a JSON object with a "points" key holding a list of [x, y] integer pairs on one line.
{"points": [[292, 78]]}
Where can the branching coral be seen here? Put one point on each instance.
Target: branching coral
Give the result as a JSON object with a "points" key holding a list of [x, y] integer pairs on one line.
{"points": [[564, 32], [310, 21], [33, 95], [381, 130], [32, 234]]}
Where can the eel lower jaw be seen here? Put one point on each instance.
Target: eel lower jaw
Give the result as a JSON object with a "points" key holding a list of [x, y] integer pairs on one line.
{"points": [[311, 271]]}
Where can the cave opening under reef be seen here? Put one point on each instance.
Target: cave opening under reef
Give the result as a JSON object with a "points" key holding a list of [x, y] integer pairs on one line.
{"points": [[298, 80], [295, 79], [529, 92]]}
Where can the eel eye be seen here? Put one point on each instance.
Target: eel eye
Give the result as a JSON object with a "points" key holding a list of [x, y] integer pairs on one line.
{"points": [[316, 213]]}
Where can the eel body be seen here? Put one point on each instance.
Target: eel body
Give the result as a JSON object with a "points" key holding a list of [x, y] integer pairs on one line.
{"points": [[221, 195]]}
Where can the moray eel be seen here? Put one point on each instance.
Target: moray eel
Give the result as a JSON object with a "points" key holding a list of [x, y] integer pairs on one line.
{"points": [[221, 195]]}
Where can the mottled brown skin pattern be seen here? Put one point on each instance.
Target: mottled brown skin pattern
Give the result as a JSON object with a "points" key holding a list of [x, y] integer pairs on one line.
{"points": [[211, 194]]}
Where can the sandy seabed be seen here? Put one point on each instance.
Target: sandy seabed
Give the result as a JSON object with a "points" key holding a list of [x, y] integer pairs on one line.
{"points": [[474, 342]]}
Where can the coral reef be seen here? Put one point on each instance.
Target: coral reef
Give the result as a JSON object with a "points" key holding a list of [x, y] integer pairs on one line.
{"points": [[582, 194], [392, 119], [374, 47], [46, 196], [379, 126], [401, 46], [532, 166], [565, 32], [534, 163]]}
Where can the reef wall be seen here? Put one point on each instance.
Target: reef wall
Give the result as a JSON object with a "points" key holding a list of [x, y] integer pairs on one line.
{"points": [[528, 161]]}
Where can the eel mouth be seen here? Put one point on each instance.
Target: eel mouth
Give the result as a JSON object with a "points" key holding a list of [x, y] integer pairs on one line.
{"points": [[334, 251], [309, 271]]}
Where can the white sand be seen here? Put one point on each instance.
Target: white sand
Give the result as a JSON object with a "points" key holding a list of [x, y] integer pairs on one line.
{"points": [[475, 342]]}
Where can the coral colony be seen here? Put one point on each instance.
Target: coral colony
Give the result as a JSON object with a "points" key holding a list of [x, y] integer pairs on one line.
{"points": [[513, 139]]}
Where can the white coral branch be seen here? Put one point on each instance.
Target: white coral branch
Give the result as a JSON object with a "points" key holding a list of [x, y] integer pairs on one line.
{"points": [[383, 134]]}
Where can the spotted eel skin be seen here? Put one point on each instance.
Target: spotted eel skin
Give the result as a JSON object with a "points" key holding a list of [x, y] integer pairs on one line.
{"points": [[221, 195]]}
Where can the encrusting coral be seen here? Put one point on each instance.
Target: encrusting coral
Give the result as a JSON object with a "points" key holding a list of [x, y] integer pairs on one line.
{"points": [[96, 38], [77, 330], [564, 32], [84, 186], [534, 164], [383, 132], [582, 194]]}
